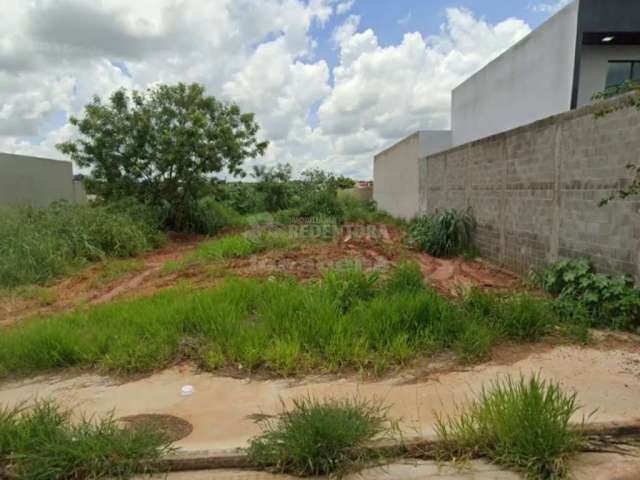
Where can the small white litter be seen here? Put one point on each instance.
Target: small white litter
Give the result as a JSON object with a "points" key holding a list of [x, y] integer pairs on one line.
{"points": [[186, 391]]}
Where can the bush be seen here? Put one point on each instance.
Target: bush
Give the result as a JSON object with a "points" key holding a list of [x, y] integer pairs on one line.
{"points": [[610, 302], [43, 442], [442, 234], [320, 437], [38, 245], [356, 210], [211, 216], [321, 203], [244, 198], [521, 424]]}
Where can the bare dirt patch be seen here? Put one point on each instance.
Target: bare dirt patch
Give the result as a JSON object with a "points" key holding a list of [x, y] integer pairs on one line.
{"points": [[450, 276]]}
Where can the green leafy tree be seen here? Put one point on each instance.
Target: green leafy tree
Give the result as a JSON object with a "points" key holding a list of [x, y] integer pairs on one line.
{"points": [[317, 179], [161, 146], [275, 184]]}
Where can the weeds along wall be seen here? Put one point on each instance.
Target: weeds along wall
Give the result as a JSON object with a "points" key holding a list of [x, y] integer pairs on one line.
{"points": [[535, 190]]}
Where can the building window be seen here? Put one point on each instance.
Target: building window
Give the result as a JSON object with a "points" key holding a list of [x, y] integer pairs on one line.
{"points": [[621, 72]]}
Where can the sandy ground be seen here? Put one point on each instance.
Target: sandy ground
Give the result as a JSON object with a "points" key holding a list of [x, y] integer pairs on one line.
{"points": [[222, 410]]}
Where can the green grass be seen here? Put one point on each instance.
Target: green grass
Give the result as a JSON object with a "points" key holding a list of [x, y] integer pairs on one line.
{"points": [[443, 233], [236, 246], [42, 442], [320, 437], [37, 245], [280, 326], [43, 296], [523, 424]]}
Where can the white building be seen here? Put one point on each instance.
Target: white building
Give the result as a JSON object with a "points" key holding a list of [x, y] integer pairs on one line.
{"points": [[588, 46]]}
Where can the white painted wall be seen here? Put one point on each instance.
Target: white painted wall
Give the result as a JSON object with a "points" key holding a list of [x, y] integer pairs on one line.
{"points": [[595, 65], [396, 173], [530, 81], [37, 181]]}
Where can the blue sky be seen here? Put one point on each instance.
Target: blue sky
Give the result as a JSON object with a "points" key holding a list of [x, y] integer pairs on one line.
{"points": [[391, 19], [331, 81]]}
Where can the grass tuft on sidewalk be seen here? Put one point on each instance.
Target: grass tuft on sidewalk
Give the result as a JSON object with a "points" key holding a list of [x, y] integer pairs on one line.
{"points": [[320, 437], [522, 424], [42, 442]]}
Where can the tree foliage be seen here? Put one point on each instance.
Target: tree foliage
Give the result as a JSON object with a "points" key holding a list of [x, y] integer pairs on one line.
{"points": [[275, 184], [161, 145]]}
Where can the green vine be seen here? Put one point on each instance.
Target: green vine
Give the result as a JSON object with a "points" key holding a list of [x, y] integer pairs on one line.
{"points": [[630, 95]]}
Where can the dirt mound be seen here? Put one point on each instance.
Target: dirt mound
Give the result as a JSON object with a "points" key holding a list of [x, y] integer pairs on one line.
{"points": [[451, 276]]}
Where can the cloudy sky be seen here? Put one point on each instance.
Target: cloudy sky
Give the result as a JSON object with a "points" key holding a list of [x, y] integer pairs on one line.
{"points": [[331, 81]]}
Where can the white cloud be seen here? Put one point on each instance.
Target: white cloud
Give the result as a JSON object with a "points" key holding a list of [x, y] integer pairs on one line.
{"points": [[384, 93], [550, 7], [56, 54], [344, 6], [404, 21]]}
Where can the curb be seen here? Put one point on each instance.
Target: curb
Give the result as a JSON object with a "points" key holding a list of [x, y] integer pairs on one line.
{"points": [[422, 447]]}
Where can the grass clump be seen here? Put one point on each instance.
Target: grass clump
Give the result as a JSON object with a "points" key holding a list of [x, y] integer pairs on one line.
{"points": [[406, 277], [43, 442], [320, 437], [522, 424], [442, 234], [37, 245], [350, 283]]}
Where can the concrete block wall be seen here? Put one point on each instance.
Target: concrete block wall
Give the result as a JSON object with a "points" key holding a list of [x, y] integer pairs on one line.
{"points": [[535, 190]]}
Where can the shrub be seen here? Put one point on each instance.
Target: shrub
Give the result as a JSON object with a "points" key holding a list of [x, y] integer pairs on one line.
{"points": [[321, 203], [610, 302], [43, 442], [356, 210], [211, 216], [443, 233], [38, 245], [521, 424], [244, 198], [320, 437]]}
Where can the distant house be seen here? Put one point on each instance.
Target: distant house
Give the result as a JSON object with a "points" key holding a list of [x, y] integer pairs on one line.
{"points": [[36, 181], [588, 46]]}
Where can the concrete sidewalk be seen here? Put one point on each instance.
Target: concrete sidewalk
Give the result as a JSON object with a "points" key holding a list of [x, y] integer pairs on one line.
{"points": [[589, 466], [409, 470]]}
